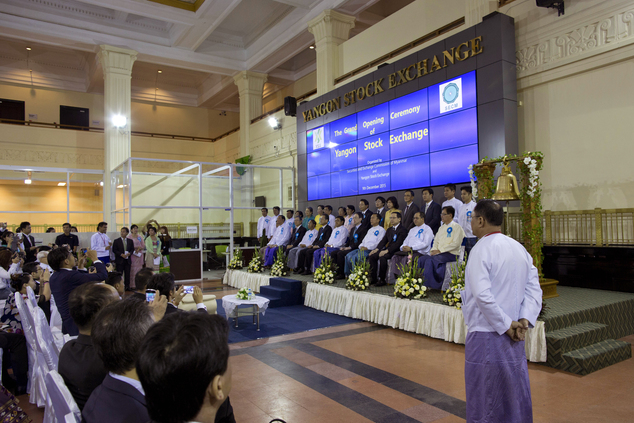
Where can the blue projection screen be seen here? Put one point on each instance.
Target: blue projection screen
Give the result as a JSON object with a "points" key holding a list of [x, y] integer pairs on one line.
{"points": [[425, 138]]}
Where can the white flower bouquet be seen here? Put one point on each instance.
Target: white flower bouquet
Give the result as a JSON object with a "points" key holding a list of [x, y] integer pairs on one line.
{"points": [[452, 295], [236, 260], [279, 267], [411, 283], [244, 294], [358, 279], [325, 273], [256, 265]]}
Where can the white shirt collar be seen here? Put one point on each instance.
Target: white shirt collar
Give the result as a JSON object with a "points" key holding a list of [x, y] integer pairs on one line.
{"points": [[396, 226], [133, 382]]}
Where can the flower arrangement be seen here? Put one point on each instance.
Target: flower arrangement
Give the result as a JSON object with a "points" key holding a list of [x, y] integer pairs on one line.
{"points": [[410, 284], [244, 294], [256, 265], [474, 186], [325, 273], [358, 279], [533, 175], [279, 267], [452, 295], [236, 260]]}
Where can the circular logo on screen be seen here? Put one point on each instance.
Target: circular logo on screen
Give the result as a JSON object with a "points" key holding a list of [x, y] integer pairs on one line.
{"points": [[450, 93]]}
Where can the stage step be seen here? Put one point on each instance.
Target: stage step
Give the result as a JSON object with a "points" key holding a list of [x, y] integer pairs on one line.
{"points": [[594, 357], [571, 338], [283, 292]]}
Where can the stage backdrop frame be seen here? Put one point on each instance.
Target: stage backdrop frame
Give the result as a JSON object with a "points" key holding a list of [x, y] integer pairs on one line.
{"points": [[491, 48]]}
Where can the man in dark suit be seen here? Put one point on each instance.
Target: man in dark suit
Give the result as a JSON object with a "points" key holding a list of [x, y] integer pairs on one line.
{"points": [[65, 280], [122, 248], [355, 237], [297, 235], [117, 334], [305, 258], [409, 210], [365, 211], [163, 284], [29, 242], [141, 280], [431, 209], [79, 364], [389, 245], [379, 202]]}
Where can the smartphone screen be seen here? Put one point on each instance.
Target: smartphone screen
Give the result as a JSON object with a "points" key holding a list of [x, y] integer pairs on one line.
{"points": [[84, 251], [188, 290], [149, 295]]}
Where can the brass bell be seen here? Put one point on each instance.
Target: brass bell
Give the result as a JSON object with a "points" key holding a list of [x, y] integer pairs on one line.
{"points": [[507, 188]]}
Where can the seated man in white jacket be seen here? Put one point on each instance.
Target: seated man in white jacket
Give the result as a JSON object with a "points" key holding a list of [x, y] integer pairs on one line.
{"points": [[446, 249], [280, 238], [417, 243]]}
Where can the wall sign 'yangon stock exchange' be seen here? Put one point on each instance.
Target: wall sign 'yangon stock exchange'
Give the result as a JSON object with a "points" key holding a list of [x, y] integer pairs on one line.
{"points": [[460, 53]]}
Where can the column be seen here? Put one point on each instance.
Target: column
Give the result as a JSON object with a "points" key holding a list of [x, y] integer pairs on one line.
{"points": [[117, 74], [476, 9], [330, 29], [251, 88]]}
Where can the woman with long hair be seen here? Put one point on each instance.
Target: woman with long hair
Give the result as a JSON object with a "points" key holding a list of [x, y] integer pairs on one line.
{"points": [[153, 249], [166, 244], [392, 206], [136, 260], [10, 264]]}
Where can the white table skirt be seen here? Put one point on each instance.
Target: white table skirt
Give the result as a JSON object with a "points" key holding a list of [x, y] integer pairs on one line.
{"points": [[243, 279], [230, 302]]}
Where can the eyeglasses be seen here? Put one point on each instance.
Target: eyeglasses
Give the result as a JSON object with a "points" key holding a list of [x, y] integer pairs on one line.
{"points": [[444, 214]]}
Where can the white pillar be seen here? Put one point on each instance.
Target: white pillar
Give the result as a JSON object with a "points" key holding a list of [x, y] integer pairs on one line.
{"points": [[476, 9], [117, 74], [251, 88], [330, 29]]}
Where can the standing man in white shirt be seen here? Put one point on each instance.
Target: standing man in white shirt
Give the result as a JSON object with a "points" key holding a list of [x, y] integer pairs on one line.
{"points": [[307, 241], [372, 238], [279, 239], [264, 224], [465, 216], [100, 242], [290, 219], [337, 239], [451, 200], [329, 215], [273, 222], [501, 300], [446, 249], [417, 243], [350, 212]]}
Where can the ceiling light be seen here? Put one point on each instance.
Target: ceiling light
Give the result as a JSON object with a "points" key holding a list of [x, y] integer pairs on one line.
{"points": [[28, 48], [28, 178], [121, 186], [312, 47], [61, 184], [119, 121], [27, 181], [274, 123], [101, 183], [160, 71]]}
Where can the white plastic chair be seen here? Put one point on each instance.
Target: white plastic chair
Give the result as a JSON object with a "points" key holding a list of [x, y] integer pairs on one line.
{"points": [[35, 386], [45, 341], [31, 295], [62, 405], [56, 318]]}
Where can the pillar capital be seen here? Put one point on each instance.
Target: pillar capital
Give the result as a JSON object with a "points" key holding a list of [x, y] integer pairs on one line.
{"points": [[330, 30], [251, 88], [116, 60], [331, 26], [475, 10], [249, 82]]}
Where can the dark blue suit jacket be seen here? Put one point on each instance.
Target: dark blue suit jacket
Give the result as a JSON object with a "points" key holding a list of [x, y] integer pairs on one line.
{"points": [[115, 401], [432, 217], [62, 284]]}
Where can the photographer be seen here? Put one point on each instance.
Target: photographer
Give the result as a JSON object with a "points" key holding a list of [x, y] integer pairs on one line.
{"points": [[67, 238], [10, 264]]}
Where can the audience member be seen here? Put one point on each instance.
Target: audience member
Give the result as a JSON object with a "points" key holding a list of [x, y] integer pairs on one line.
{"points": [[389, 245], [290, 219], [273, 222], [391, 206], [364, 209], [202, 373], [349, 224], [320, 211], [42, 278], [163, 284], [141, 279], [280, 238], [264, 227], [446, 249], [431, 209], [117, 334], [42, 260], [11, 315], [464, 218], [372, 238], [337, 239], [330, 216], [123, 248], [297, 235], [307, 240], [137, 259], [115, 280], [79, 364], [305, 259], [379, 202], [308, 216], [27, 242], [100, 242], [6, 240], [451, 200], [166, 244], [152, 250], [417, 243], [15, 356], [50, 230], [10, 264], [355, 237], [341, 211], [410, 210], [73, 229], [65, 280], [67, 238]]}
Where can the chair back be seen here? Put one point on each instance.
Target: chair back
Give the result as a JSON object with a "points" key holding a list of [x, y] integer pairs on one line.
{"points": [[45, 340], [56, 318], [31, 295], [62, 401], [33, 387]]}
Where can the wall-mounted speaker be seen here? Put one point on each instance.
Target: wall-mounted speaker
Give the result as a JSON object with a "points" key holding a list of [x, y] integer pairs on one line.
{"points": [[290, 106]]}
